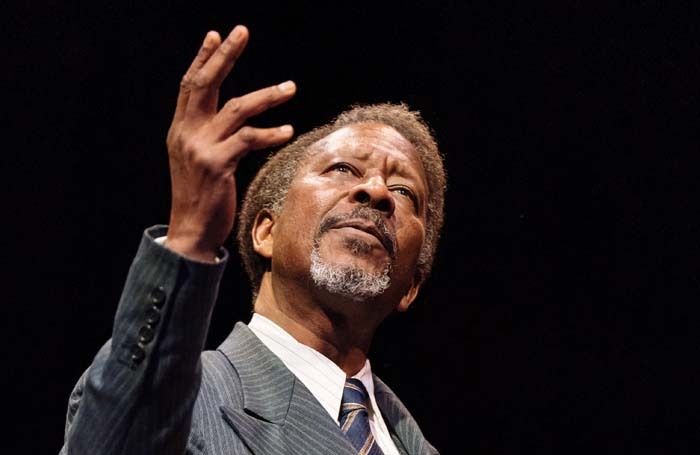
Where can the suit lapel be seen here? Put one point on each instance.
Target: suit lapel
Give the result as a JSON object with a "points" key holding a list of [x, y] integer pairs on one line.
{"points": [[279, 415], [405, 431], [399, 445], [309, 427]]}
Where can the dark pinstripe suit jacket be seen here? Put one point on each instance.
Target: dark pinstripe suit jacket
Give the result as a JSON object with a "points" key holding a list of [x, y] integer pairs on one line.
{"points": [[151, 389]]}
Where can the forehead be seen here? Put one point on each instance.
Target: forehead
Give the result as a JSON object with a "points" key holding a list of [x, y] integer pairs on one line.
{"points": [[364, 140]]}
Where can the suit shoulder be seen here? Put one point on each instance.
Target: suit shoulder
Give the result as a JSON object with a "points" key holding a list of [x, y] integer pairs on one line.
{"points": [[220, 379]]}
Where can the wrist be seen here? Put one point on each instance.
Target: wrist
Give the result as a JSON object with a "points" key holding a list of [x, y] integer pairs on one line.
{"points": [[191, 248]]}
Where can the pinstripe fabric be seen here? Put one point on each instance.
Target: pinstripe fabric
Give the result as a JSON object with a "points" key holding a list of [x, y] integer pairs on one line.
{"points": [[324, 379], [239, 399], [278, 411], [407, 435], [110, 416]]}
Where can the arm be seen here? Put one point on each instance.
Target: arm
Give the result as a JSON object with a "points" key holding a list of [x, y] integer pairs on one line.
{"points": [[138, 394]]}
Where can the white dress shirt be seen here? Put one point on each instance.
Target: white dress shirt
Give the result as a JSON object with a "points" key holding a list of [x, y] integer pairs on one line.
{"points": [[324, 379]]}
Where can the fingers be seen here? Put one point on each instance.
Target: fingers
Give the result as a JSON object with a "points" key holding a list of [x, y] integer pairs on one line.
{"points": [[250, 138], [210, 44], [205, 83], [236, 111], [196, 112]]}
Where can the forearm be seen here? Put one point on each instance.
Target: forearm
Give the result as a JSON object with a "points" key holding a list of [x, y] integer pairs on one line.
{"points": [[139, 392]]}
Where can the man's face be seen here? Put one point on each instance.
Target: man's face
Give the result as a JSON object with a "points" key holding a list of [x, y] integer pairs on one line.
{"points": [[355, 212]]}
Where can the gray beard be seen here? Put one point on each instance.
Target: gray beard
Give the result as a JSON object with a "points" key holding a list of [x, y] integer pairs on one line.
{"points": [[348, 280]]}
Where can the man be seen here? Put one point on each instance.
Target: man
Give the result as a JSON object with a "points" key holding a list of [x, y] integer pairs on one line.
{"points": [[337, 231]]}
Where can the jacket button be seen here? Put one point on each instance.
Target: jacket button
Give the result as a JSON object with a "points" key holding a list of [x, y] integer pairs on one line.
{"points": [[146, 334], [153, 316], [157, 297], [137, 354]]}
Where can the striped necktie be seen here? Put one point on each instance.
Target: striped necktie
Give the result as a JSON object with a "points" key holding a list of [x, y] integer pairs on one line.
{"points": [[354, 419]]}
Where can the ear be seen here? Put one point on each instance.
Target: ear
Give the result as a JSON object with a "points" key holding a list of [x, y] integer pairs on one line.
{"points": [[411, 294], [262, 233]]}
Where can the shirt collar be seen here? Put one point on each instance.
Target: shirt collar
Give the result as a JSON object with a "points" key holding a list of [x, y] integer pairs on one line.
{"points": [[324, 379]]}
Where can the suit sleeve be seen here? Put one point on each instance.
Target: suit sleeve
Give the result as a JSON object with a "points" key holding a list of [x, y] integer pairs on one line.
{"points": [[138, 394]]}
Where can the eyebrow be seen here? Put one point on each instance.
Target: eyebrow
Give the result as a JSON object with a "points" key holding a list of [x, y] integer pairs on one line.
{"points": [[399, 167]]}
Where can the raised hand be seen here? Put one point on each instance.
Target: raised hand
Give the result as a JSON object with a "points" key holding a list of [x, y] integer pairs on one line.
{"points": [[205, 146]]}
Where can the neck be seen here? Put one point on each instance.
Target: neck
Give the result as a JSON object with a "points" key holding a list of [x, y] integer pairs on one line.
{"points": [[344, 338]]}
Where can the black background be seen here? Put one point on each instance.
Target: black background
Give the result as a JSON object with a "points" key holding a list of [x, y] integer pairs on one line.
{"points": [[561, 316]]}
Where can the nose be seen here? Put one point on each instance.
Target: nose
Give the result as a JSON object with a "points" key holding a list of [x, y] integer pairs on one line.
{"points": [[374, 193]]}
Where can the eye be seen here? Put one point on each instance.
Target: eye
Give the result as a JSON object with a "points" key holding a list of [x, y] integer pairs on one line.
{"points": [[344, 168], [403, 191]]}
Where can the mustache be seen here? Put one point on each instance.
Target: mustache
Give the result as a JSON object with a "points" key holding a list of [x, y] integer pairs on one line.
{"points": [[362, 213]]}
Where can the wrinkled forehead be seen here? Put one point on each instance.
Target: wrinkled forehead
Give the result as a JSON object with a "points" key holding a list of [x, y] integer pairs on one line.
{"points": [[367, 138]]}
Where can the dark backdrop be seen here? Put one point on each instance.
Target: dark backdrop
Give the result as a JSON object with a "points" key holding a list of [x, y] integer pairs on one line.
{"points": [[561, 315]]}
